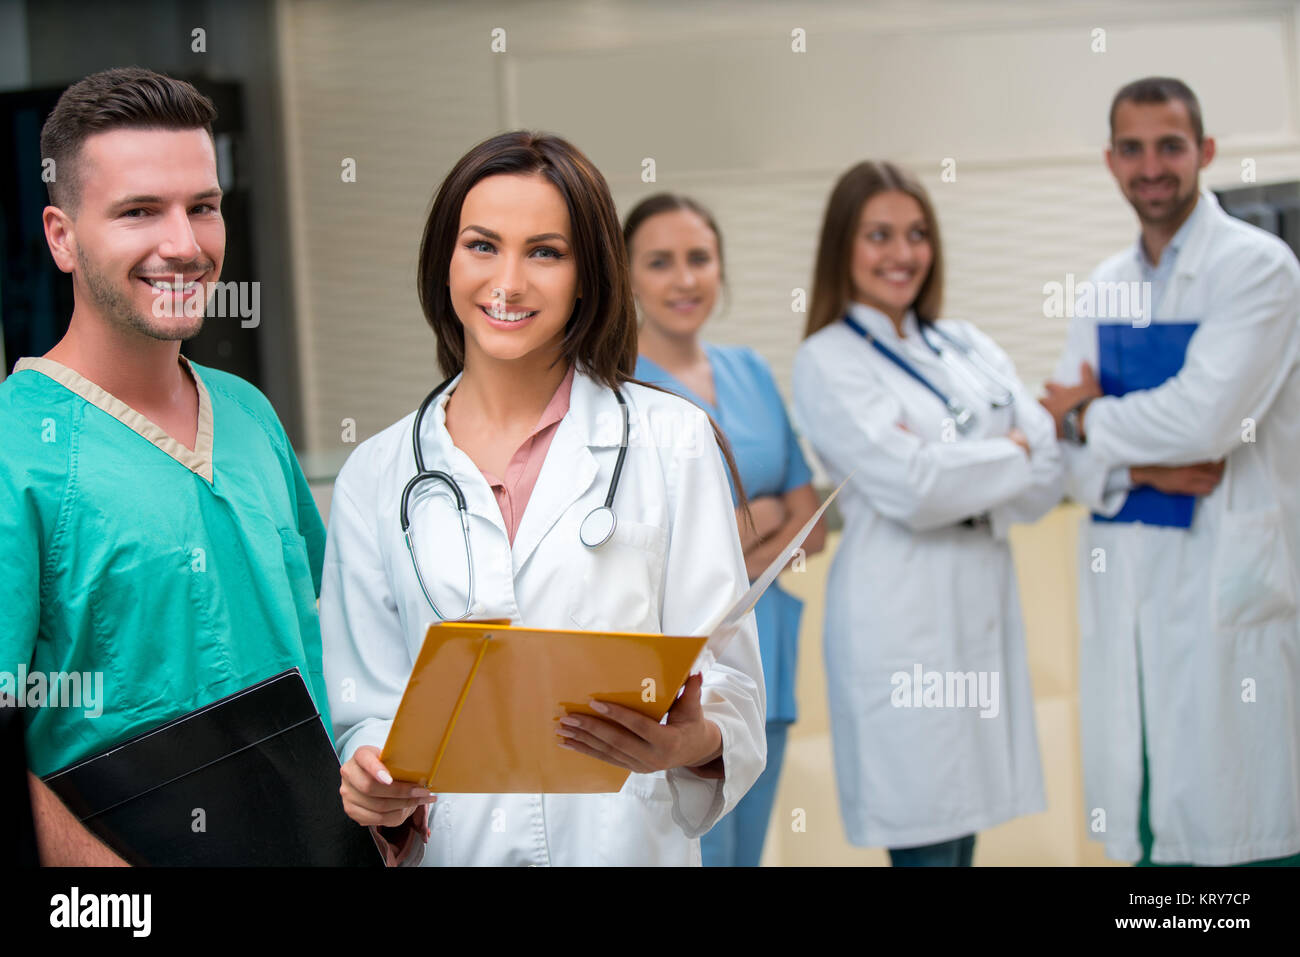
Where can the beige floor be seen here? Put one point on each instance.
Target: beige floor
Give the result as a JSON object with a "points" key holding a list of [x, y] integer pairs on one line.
{"points": [[1044, 556]]}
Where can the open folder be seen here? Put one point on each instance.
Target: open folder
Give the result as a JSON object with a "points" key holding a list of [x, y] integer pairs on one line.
{"points": [[480, 710]]}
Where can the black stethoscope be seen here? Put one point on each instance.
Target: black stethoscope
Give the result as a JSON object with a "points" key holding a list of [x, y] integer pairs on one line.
{"points": [[595, 530], [961, 413]]}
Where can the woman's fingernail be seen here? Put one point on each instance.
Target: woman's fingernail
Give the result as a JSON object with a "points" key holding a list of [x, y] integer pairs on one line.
{"points": [[599, 706], [385, 777], [571, 722], [564, 732]]}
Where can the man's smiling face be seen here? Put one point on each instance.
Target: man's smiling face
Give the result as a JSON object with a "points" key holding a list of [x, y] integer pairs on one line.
{"points": [[149, 211]]}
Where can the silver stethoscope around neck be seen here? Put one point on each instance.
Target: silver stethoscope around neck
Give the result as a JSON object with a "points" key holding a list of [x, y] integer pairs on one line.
{"points": [[595, 530], [999, 396]]}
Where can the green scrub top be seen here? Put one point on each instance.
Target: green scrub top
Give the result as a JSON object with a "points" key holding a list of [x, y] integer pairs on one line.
{"points": [[178, 576]]}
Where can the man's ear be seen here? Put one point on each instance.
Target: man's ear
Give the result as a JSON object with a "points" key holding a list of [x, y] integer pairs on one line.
{"points": [[61, 236], [1208, 148]]}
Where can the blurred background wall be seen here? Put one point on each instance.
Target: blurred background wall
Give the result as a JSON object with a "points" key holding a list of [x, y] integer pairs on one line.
{"points": [[1010, 97], [1012, 93]]}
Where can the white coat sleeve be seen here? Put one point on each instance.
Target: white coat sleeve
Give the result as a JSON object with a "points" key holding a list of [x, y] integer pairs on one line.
{"points": [[852, 421], [367, 662], [1094, 484], [1047, 473], [1237, 360], [704, 576]]}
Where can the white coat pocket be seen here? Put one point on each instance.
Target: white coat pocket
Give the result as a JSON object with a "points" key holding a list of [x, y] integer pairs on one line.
{"points": [[1254, 579], [616, 586]]}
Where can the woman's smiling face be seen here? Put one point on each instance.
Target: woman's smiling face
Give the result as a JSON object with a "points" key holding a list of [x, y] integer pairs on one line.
{"points": [[676, 271], [891, 253], [512, 278]]}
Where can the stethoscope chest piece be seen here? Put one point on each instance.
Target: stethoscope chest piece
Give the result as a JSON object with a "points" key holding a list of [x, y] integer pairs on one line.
{"points": [[597, 527], [963, 418]]}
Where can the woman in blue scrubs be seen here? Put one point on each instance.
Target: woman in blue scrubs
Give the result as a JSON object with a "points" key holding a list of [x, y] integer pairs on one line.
{"points": [[675, 251]]}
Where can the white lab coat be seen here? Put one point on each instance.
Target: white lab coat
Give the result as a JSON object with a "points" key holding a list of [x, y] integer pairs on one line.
{"points": [[1193, 634], [674, 564], [910, 586]]}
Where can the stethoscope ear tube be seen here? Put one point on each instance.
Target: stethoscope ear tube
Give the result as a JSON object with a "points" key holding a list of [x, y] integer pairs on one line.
{"points": [[622, 451], [423, 475], [1008, 396], [964, 417], [419, 477], [598, 527], [419, 422]]}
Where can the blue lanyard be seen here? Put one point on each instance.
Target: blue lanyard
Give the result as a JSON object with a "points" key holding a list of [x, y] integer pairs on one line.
{"points": [[960, 413]]}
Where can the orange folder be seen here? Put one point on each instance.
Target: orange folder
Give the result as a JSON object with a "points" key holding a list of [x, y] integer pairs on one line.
{"points": [[480, 712]]}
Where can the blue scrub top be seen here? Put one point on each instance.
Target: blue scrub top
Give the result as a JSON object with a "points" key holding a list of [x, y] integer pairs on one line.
{"points": [[751, 414]]}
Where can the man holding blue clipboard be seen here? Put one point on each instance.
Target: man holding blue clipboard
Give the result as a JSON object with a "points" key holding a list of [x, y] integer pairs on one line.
{"points": [[1185, 446]]}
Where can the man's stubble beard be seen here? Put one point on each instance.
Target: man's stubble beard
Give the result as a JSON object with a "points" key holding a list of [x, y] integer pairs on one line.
{"points": [[121, 311], [1176, 212]]}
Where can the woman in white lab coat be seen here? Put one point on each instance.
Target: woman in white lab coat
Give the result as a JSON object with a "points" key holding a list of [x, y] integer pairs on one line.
{"points": [[932, 715], [524, 278]]}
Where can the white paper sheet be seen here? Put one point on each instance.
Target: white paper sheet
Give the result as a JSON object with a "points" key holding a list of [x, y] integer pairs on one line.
{"points": [[722, 629]]}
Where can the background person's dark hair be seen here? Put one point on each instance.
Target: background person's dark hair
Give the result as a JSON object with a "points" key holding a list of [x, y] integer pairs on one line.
{"points": [[1159, 89], [125, 98]]}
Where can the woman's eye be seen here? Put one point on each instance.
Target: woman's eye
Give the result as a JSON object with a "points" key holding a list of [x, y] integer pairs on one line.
{"points": [[877, 235], [701, 259], [551, 252], [918, 235], [479, 246]]}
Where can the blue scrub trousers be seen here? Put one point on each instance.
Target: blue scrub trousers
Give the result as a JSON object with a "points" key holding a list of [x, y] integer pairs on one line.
{"points": [[737, 839]]}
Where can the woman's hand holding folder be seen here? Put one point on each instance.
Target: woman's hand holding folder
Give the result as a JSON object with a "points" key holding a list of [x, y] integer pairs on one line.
{"points": [[371, 796], [630, 740]]}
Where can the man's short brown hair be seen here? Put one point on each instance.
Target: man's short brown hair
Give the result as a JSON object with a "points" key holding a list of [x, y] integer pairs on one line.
{"points": [[1159, 89], [128, 98]]}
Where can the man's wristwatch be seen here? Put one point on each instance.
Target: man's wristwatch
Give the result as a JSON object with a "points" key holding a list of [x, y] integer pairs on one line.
{"points": [[1070, 423]]}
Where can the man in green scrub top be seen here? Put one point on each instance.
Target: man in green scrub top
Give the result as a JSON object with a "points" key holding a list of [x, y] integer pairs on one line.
{"points": [[156, 531]]}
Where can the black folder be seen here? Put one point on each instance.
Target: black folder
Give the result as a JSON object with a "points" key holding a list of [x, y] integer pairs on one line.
{"points": [[251, 779]]}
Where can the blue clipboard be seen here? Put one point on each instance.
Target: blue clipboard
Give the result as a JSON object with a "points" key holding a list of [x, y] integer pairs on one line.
{"points": [[1129, 359]]}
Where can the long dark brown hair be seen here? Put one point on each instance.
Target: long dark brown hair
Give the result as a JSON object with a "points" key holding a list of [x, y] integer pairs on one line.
{"points": [[600, 335], [832, 283]]}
